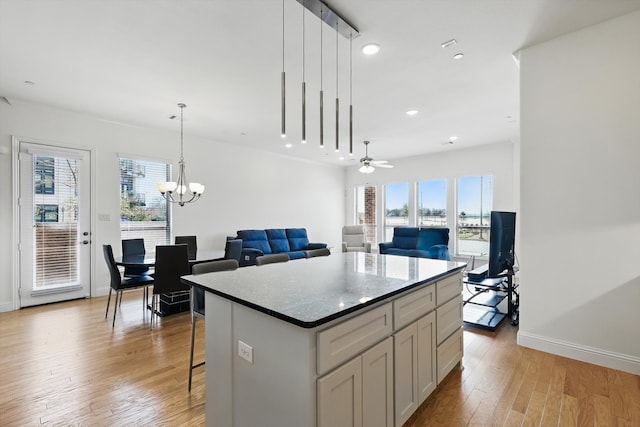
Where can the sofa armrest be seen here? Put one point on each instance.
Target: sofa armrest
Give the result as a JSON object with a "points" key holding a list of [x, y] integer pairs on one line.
{"points": [[248, 256], [384, 246], [440, 251], [315, 246]]}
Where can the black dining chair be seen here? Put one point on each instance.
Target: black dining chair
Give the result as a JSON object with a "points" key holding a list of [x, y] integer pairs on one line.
{"points": [[134, 247], [120, 284], [197, 300], [271, 259], [191, 242], [172, 261]]}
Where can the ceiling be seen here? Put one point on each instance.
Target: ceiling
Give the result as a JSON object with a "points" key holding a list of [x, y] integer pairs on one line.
{"points": [[132, 61]]}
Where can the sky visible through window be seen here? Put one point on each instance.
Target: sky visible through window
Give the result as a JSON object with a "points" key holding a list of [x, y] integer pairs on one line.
{"points": [[475, 193], [397, 195]]}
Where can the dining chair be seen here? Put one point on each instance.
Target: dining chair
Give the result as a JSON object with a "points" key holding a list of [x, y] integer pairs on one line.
{"points": [[131, 247], [172, 261], [271, 259], [317, 252], [197, 300], [120, 284], [191, 242]]}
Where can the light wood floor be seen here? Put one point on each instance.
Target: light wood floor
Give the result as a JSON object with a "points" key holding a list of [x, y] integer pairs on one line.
{"points": [[62, 364]]}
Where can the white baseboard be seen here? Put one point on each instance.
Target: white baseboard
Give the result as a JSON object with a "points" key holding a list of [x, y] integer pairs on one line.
{"points": [[6, 306], [597, 356]]}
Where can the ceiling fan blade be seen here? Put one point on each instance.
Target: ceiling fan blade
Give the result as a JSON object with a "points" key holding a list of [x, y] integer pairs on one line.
{"points": [[379, 162], [384, 166]]}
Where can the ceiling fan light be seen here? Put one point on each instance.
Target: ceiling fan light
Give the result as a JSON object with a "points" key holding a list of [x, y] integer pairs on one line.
{"points": [[366, 169]]}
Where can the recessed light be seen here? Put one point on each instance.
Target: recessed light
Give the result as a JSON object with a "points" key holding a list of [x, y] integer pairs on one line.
{"points": [[340, 158], [371, 49], [453, 138], [458, 56], [448, 43], [412, 112], [288, 145]]}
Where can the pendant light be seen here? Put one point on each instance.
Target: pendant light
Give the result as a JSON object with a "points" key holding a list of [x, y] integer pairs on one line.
{"points": [[304, 87], [321, 94], [176, 191], [351, 94], [337, 100], [283, 130]]}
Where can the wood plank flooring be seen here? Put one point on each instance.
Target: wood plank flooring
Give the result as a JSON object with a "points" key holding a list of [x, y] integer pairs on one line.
{"points": [[62, 364]]}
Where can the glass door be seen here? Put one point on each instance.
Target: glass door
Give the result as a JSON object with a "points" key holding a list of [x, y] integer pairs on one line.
{"points": [[55, 240]]}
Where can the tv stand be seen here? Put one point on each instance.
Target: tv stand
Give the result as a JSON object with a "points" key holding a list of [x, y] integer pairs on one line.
{"points": [[484, 300]]}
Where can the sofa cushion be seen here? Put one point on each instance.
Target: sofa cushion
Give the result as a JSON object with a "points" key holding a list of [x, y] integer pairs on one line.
{"points": [[298, 239], [278, 240], [255, 239], [428, 237], [405, 237]]}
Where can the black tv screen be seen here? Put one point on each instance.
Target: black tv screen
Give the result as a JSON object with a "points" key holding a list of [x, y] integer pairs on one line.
{"points": [[501, 242]]}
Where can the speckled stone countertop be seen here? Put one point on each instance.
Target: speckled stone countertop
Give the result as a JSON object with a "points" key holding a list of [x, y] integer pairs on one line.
{"points": [[310, 292]]}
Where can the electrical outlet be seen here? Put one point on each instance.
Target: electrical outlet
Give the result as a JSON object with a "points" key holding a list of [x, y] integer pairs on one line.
{"points": [[245, 351]]}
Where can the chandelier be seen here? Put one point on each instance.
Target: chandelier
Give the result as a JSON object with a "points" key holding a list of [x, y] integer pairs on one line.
{"points": [[181, 191]]}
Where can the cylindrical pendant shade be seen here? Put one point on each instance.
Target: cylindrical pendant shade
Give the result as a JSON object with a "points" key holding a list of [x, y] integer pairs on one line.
{"points": [[321, 120], [284, 129], [337, 124], [350, 129], [304, 112]]}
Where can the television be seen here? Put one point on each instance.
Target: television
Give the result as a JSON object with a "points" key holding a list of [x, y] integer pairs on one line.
{"points": [[501, 243]]}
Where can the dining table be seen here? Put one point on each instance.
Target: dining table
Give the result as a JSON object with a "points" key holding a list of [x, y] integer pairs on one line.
{"points": [[149, 259]]}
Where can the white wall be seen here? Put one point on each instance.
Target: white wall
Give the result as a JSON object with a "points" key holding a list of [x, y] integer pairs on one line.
{"points": [[495, 159], [580, 195], [245, 188]]}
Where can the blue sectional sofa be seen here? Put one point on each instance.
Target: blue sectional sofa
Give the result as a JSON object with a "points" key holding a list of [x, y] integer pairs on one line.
{"points": [[292, 241], [425, 242]]}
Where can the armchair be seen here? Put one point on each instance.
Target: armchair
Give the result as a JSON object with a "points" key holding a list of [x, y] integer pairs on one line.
{"points": [[353, 239]]}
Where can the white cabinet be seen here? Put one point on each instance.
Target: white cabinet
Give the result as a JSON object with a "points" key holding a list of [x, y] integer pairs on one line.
{"points": [[415, 366], [377, 368], [359, 393]]}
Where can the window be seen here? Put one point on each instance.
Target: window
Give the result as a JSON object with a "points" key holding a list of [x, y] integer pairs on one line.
{"points": [[432, 203], [396, 208], [475, 200], [366, 213], [44, 175], [144, 213]]}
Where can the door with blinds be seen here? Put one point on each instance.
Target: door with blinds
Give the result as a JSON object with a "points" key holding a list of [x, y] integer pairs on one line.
{"points": [[55, 229]]}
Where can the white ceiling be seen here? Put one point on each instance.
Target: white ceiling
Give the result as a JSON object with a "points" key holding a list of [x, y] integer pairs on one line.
{"points": [[132, 61]]}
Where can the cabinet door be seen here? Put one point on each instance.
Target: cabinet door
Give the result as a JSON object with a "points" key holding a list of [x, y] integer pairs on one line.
{"points": [[377, 385], [340, 396], [405, 361], [427, 379]]}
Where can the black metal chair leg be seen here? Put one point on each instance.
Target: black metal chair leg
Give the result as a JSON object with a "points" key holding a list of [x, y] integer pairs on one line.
{"points": [[193, 339], [115, 308], [108, 301]]}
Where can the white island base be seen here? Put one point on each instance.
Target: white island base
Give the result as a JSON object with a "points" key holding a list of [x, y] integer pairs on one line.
{"points": [[372, 366]]}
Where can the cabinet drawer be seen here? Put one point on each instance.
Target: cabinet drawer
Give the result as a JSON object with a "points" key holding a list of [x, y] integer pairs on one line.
{"points": [[350, 338], [448, 288], [408, 308], [449, 353], [448, 318]]}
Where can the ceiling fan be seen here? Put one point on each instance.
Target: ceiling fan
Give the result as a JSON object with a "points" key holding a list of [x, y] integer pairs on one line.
{"points": [[368, 163]]}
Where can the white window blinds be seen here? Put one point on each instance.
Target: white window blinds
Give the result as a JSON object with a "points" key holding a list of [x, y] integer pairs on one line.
{"points": [[143, 211]]}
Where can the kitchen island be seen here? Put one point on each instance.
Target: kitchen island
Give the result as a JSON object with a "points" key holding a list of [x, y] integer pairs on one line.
{"points": [[349, 339]]}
